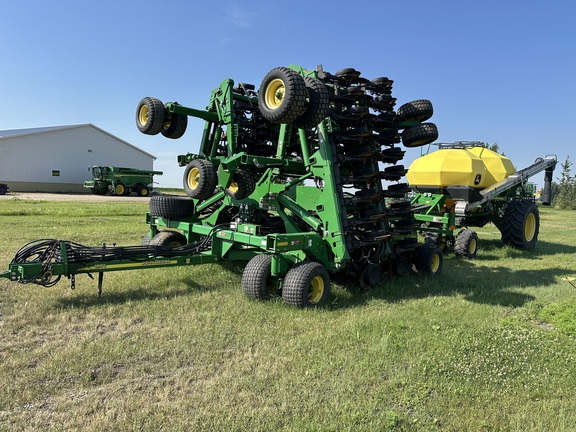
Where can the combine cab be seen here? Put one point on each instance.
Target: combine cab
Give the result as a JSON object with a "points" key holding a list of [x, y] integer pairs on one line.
{"points": [[465, 185]]}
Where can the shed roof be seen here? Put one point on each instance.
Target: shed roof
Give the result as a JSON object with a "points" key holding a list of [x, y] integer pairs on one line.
{"points": [[13, 133]]}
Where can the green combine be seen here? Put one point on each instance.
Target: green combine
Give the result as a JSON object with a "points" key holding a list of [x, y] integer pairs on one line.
{"points": [[120, 181], [300, 179]]}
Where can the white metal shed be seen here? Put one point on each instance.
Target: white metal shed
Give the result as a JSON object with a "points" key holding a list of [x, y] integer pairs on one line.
{"points": [[56, 159]]}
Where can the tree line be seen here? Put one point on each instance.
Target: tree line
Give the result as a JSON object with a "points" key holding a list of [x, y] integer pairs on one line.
{"points": [[564, 193]]}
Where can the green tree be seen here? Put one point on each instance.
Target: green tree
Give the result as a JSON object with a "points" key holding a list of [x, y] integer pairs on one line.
{"points": [[495, 148], [565, 197]]}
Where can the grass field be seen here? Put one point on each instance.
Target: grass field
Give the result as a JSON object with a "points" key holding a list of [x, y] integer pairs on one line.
{"points": [[489, 345]]}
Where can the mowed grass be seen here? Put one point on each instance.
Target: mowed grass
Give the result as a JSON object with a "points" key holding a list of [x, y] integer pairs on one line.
{"points": [[488, 345]]}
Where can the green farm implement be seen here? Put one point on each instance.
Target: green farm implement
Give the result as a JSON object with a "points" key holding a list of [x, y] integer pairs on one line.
{"points": [[465, 184], [289, 178], [120, 181]]}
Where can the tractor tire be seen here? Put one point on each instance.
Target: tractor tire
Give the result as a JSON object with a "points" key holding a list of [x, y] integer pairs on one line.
{"points": [[145, 241], [466, 244], [306, 284], [257, 282], [422, 134], [200, 179], [175, 126], [418, 110], [282, 96], [243, 184], [520, 224], [171, 206], [318, 103], [429, 259], [169, 239], [150, 115], [142, 190], [120, 189]]}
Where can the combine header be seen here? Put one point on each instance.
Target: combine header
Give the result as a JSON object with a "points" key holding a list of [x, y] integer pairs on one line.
{"points": [[288, 178]]}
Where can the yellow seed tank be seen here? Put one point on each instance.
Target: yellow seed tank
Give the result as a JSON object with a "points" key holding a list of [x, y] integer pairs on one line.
{"points": [[476, 166]]}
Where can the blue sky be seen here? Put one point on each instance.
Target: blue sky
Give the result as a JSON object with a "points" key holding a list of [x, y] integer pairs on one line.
{"points": [[496, 71]]}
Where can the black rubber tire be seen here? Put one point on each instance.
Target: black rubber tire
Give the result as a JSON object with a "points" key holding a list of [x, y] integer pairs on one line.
{"points": [[171, 206], [419, 135], [401, 207], [95, 191], [466, 244], [243, 184], [520, 224], [282, 96], [150, 115], [399, 188], [382, 81], [3, 191], [142, 190], [318, 104], [175, 126], [306, 284], [200, 179], [257, 282], [429, 259], [419, 110], [168, 238], [348, 73], [120, 189]]}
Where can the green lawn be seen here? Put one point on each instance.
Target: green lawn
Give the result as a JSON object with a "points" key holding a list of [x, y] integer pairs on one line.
{"points": [[489, 345]]}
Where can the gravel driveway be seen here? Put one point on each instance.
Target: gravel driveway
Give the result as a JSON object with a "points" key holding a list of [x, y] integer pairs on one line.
{"points": [[72, 197]]}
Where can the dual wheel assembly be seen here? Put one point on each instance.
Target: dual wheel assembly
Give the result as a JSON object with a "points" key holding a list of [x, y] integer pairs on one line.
{"points": [[152, 118], [306, 283], [201, 180]]}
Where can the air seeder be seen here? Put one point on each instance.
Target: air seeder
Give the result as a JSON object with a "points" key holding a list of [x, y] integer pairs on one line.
{"points": [[288, 178], [465, 184]]}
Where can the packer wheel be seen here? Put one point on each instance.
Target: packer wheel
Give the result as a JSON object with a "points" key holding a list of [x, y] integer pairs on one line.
{"points": [[419, 110], [419, 135]]}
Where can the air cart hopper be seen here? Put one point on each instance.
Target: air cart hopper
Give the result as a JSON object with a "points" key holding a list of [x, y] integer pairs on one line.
{"points": [[465, 184]]}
